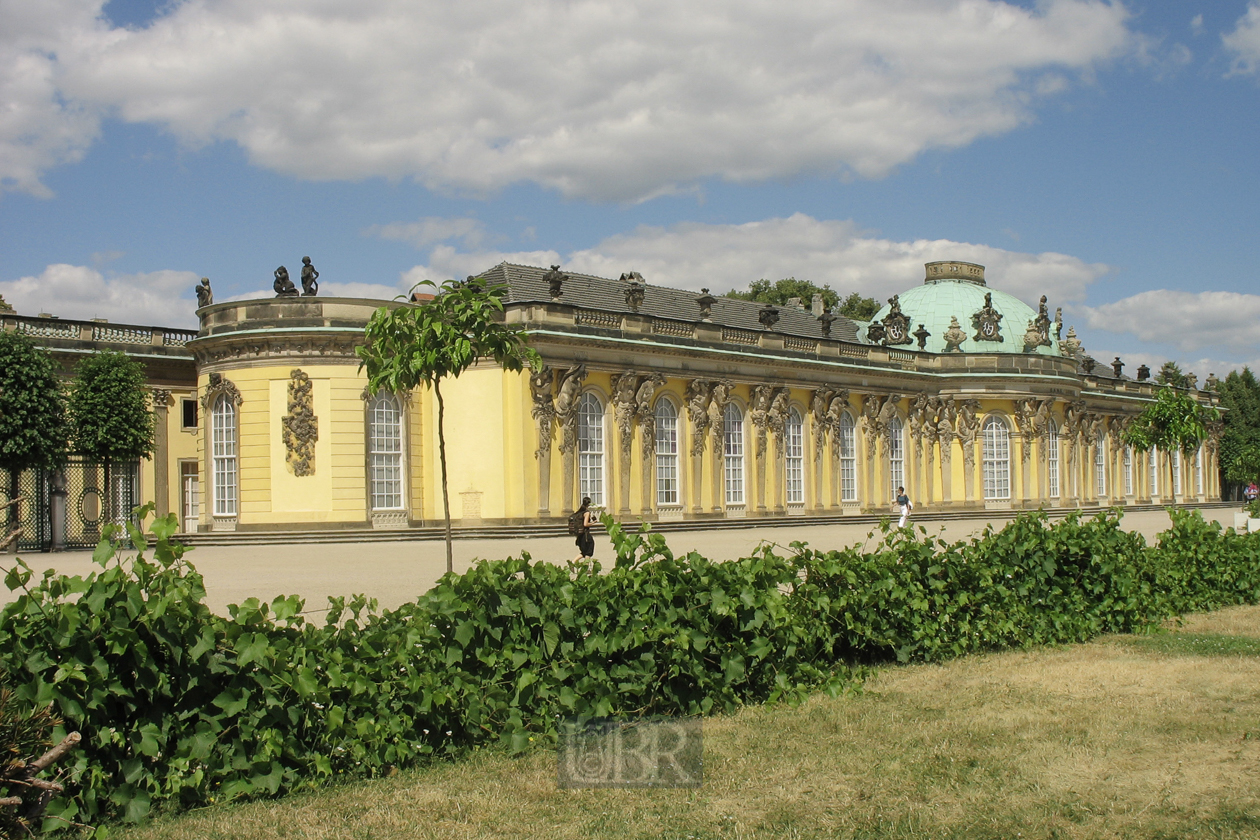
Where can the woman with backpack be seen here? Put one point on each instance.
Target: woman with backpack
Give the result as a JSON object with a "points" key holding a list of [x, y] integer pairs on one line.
{"points": [[580, 524]]}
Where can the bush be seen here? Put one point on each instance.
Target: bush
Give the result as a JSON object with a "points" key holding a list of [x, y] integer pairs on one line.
{"points": [[178, 705]]}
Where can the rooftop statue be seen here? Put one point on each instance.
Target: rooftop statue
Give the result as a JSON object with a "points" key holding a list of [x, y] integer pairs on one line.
{"points": [[310, 278], [284, 286], [954, 336], [205, 297], [4, 307]]}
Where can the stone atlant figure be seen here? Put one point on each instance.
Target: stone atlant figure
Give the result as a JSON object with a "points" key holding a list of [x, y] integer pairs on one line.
{"points": [[310, 278], [205, 297], [284, 286]]}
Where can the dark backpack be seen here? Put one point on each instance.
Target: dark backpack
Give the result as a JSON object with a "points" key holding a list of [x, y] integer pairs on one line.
{"points": [[575, 522]]}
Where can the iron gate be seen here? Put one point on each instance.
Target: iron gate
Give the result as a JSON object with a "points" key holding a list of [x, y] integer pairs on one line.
{"points": [[94, 496]]}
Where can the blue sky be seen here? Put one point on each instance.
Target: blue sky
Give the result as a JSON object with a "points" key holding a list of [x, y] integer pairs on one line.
{"points": [[1103, 154]]}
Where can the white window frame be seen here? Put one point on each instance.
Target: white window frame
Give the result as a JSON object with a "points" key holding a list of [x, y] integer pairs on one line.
{"points": [[1100, 467], [386, 483], [1198, 471], [848, 458], [896, 456], [1152, 459], [995, 459], [667, 486], [1052, 461], [225, 471], [1176, 471], [794, 463], [592, 477], [733, 453], [1128, 471]]}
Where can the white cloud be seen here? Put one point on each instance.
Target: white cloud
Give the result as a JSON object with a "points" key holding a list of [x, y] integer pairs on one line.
{"points": [[1244, 41], [40, 129], [1187, 320], [594, 98], [157, 298], [1196, 24], [431, 229], [692, 255]]}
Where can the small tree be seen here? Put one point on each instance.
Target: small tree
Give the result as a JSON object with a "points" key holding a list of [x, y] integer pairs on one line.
{"points": [[407, 346], [109, 411], [1240, 440], [1170, 374], [859, 308], [33, 429], [1174, 421]]}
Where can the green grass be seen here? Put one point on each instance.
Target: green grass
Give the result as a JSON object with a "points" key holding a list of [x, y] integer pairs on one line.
{"points": [[1194, 644], [1128, 737]]}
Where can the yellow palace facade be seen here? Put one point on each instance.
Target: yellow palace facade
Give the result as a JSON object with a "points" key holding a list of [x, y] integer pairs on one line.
{"points": [[662, 404]]}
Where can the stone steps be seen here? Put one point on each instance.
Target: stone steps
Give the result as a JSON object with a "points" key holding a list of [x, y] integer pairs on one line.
{"points": [[367, 535]]}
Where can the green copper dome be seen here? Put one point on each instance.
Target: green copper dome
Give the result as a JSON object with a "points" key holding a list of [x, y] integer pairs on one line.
{"points": [[957, 290]]}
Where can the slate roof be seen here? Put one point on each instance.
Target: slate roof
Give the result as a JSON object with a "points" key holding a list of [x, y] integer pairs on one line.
{"points": [[526, 285]]}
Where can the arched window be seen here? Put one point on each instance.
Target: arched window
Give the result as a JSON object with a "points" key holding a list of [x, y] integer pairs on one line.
{"points": [[1198, 471], [590, 440], [896, 456], [733, 457], [1176, 471], [794, 468], [1128, 471], [848, 459], [385, 473], [1052, 459], [995, 459], [1100, 466], [666, 452], [223, 455]]}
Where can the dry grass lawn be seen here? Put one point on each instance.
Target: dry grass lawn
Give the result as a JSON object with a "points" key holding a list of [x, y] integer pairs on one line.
{"points": [[1122, 738]]}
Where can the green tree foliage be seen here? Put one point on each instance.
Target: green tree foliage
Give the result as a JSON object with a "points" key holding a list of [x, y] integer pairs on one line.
{"points": [[408, 346], [1174, 421], [1240, 440], [179, 705], [763, 291], [34, 431], [110, 416], [1170, 374], [859, 308]]}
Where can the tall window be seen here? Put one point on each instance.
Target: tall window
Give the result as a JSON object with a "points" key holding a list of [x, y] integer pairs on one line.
{"points": [[848, 459], [795, 463], [1176, 471], [223, 455], [896, 456], [995, 459], [590, 440], [666, 453], [1198, 471], [385, 453], [1152, 457], [733, 439], [1128, 471], [1100, 466], [1052, 460]]}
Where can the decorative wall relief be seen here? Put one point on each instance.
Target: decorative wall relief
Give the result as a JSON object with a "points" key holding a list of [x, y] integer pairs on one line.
{"points": [[720, 395], [566, 405], [544, 409], [646, 414], [301, 427], [624, 388], [697, 398], [219, 385], [818, 412], [968, 425]]}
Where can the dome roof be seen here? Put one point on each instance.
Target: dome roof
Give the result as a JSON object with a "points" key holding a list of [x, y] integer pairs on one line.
{"points": [[957, 290]]}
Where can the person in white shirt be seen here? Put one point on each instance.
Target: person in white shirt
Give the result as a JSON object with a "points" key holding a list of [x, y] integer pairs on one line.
{"points": [[906, 506]]}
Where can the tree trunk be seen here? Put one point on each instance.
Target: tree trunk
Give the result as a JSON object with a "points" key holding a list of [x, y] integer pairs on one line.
{"points": [[446, 501]]}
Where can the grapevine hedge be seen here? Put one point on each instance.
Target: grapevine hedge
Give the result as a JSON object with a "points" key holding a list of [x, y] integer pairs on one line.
{"points": [[179, 706]]}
